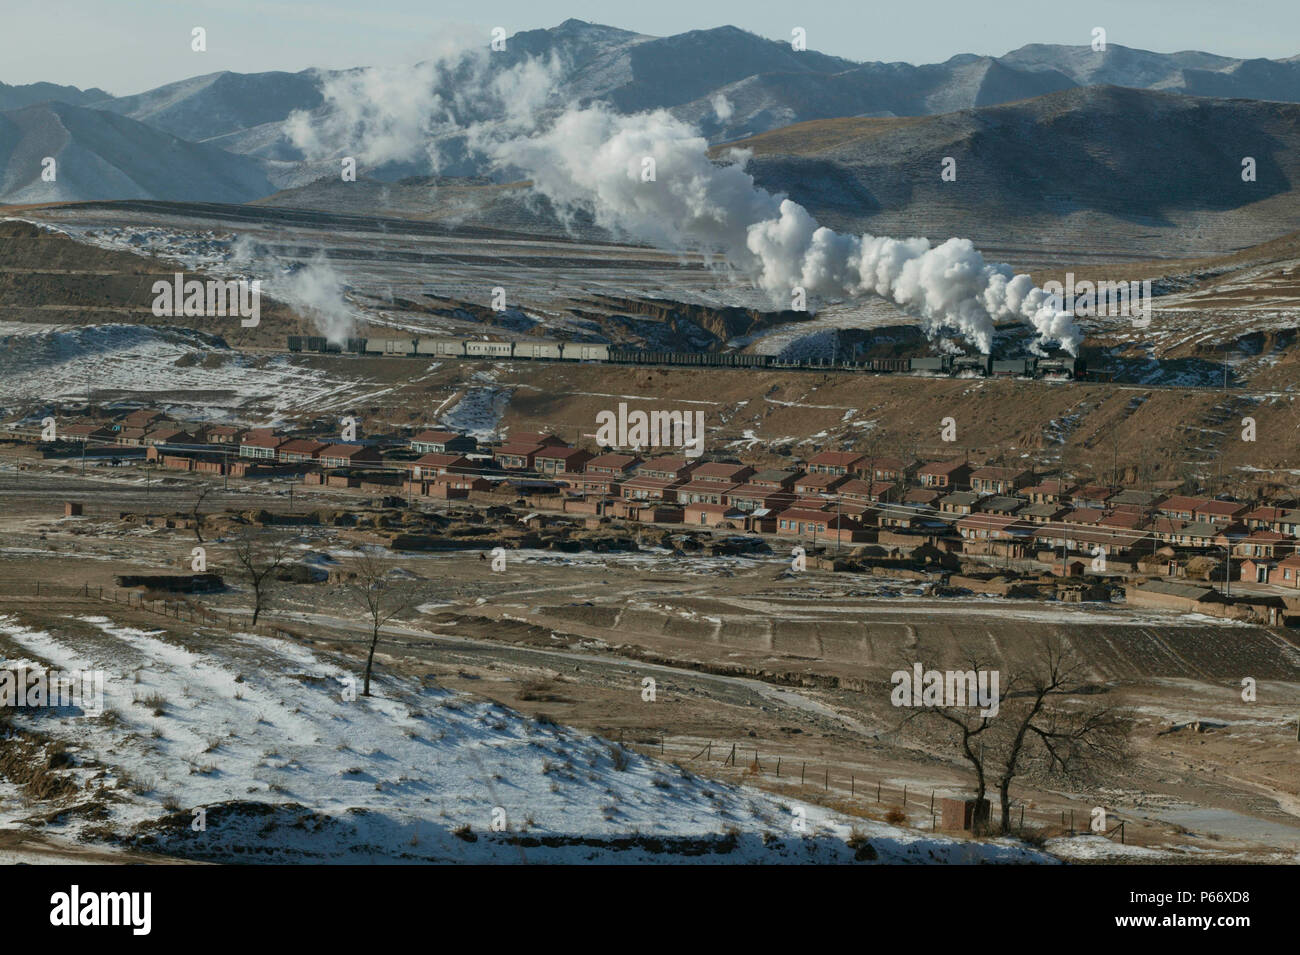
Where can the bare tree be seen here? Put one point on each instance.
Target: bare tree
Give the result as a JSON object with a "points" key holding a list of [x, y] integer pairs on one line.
{"points": [[1042, 724], [381, 596], [259, 560], [196, 512], [1053, 731]]}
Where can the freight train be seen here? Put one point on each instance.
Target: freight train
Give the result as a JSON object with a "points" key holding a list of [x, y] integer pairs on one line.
{"points": [[983, 366]]}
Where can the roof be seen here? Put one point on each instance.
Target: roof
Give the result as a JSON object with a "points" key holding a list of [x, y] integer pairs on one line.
{"points": [[303, 446], [262, 439], [943, 467], [665, 463], [1001, 503], [619, 462], [435, 460], [960, 497], [344, 450], [521, 450], [774, 475], [1134, 496], [1056, 487], [1187, 591], [1221, 507], [998, 473], [719, 471], [836, 459], [1180, 502], [1042, 510], [437, 437], [560, 452], [821, 480]]}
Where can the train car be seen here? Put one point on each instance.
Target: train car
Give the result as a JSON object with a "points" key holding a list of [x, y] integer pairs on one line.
{"points": [[621, 354], [1012, 368], [884, 365], [355, 346], [440, 347], [586, 352], [972, 365], [295, 342], [390, 346], [1060, 366], [539, 351], [940, 365], [477, 349]]}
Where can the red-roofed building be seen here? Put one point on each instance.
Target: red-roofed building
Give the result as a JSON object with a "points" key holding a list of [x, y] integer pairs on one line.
{"points": [[1219, 512], [555, 459], [300, 450], [260, 444], [614, 464], [835, 462], [430, 466], [348, 455], [996, 480], [443, 442], [515, 457], [719, 472], [951, 475]]}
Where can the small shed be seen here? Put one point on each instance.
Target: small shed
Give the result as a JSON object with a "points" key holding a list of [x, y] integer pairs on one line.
{"points": [[72, 508], [961, 813]]}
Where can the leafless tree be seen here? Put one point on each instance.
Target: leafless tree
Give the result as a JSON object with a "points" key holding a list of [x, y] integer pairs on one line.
{"points": [[1047, 727], [380, 595], [200, 495], [259, 559]]}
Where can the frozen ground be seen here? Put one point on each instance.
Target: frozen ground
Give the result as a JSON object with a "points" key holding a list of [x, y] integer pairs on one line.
{"points": [[167, 368], [261, 735]]}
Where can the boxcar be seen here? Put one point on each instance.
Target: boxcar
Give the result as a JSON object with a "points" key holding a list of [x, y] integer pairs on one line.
{"points": [[443, 347], [539, 351], [587, 352], [475, 349]]}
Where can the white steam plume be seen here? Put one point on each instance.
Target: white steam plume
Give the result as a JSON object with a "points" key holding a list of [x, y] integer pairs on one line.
{"points": [[313, 289], [595, 158]]}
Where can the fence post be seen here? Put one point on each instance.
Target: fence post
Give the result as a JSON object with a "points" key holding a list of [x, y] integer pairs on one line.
{"points": [[877, 790], [803, 772], [904, 794], [778, 767], [826, 782], [852, 784]]}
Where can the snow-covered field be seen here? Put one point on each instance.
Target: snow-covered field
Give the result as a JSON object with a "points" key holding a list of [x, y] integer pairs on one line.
{"points": [[264, 736], [165, 367]]}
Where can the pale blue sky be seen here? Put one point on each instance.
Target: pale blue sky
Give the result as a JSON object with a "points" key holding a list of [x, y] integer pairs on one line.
{"points": [[126, 46]]}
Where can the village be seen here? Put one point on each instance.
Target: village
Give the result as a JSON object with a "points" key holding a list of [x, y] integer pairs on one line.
{"points": [[999, 529]]}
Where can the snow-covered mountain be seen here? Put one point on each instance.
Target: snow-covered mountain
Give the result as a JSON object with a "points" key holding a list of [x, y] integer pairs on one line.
{"points": [[731, 83], [98, 155]]}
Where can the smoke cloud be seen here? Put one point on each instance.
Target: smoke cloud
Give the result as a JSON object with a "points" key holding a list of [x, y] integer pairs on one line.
{"points": [[649, 176], [597, 159]]}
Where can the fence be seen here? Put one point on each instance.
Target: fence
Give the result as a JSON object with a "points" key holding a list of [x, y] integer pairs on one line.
{"points": [[805, 779], [183, 611]]}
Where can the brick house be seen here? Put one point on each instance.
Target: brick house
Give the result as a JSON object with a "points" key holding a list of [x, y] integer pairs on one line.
{"points": [[561, 460], [443, 442], [300, 451], [998, 480], [430, 466], [348, 455], [515, 457], [951, 475], [835, 462], [260, 444]]}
